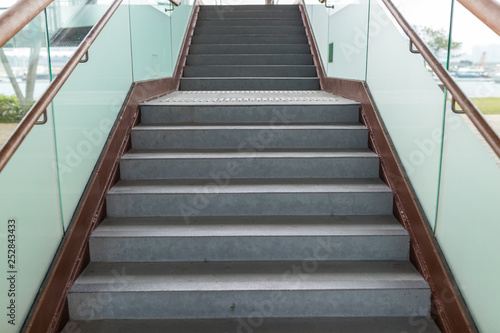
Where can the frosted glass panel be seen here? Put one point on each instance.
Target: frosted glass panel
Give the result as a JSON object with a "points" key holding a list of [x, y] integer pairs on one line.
{"points": [[31, 224], [87, 106], [411, 104], [179, 22], [469, 218], [68, 23], [151, 42], [30, 210], [319, 19], [348, 29]]}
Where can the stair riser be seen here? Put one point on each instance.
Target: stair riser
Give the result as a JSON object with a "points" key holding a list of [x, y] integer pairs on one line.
{"points": [[249, 71], [249, 49], [130, 249], [249, 139], [257, 30], [257, 305], [206, 203], [265, 114], [250, 84], [248, 22], [354, 167], [268, 59], [230, 39], [231, 14]]}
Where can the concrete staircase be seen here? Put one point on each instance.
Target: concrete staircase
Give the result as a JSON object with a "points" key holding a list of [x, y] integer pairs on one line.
{"points": [[249, 211], [249, 48]]}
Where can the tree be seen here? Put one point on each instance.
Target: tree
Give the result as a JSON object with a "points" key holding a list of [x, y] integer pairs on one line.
{"points": [[437, 40], [34, 35], [10, 109]]}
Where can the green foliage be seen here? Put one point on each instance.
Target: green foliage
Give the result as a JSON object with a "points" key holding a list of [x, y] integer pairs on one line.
{"points": [[437, 40], [10, 109], [488, 105]]}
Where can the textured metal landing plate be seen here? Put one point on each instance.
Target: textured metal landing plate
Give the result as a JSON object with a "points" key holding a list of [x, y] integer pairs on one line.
{"points": [[280, 97]]}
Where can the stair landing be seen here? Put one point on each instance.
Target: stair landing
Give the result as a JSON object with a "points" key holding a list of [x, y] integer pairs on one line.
{"points": [[254, 97]]}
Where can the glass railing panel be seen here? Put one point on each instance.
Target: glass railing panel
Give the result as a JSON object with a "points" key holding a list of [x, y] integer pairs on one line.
{"points": [[30, 215], [151, 40], [30, 208], [319, 20], [24, 73], [86, 108], [469, 218], [341, 35], [468, 211], [476, 63], [433, 26], [179, 22], [68, 22], [348, 32], [410, 102]]}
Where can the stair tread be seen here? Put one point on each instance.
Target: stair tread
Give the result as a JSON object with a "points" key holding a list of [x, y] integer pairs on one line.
{"points": [[252, 26], [268, 325], [204, 127], [249, 55], [247, 276], [251, 78], [249, 6], [248, 226], [241, 185], [253, 35], [245, 44], [232, 153], [264, 20], [253, 66]]}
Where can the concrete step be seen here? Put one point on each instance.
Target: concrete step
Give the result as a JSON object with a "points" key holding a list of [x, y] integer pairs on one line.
{"points": [[249, 22], [247, 8], [268, 163], [343, 111], [249, 137], [236, 238], [239, 289], [249, 49], [250, 59], [248, 39], [260, 324], [256, 14], [250, 30], [250, 83], [250, 71], [223, 196]]}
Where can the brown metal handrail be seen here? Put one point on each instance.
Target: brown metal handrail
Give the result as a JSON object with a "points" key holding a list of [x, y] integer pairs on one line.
{"points": [[468, 107], [39, 107], [488, 11], [18, 15]]}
